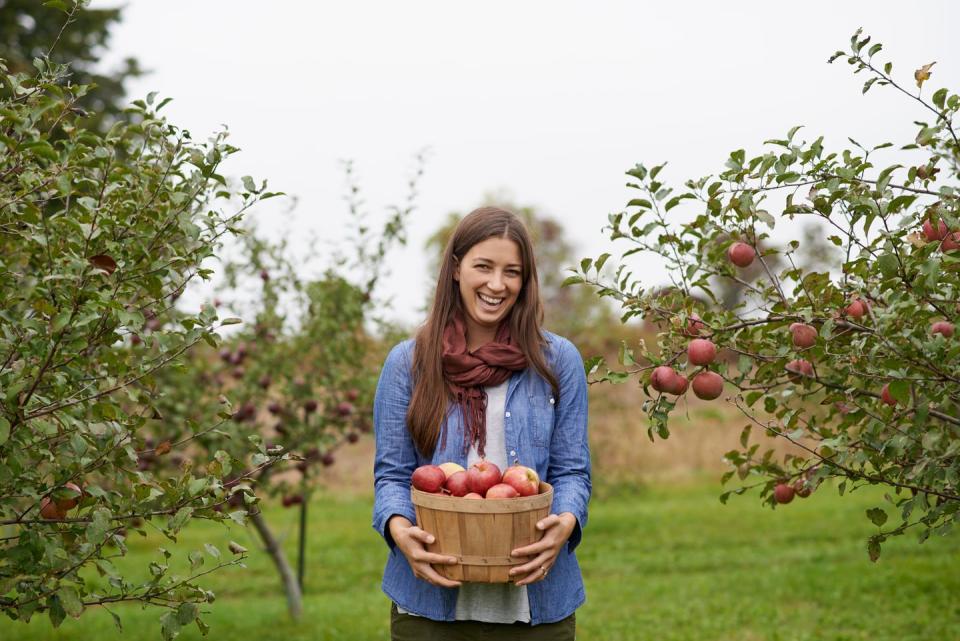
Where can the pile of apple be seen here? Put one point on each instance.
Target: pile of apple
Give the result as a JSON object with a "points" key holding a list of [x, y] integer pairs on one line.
{"points": [[482, 480]]}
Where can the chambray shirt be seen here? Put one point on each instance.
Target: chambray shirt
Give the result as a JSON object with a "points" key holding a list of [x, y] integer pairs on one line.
{"points": [[543, 432]]}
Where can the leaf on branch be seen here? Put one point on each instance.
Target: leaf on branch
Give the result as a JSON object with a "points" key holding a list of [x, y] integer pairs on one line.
{"points": [[922, 74], [104, 262], [877, 516], [236, 548]]}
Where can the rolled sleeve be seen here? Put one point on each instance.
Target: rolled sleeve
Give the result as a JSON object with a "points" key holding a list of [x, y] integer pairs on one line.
{"points": [[396, 456], [569, 468]]}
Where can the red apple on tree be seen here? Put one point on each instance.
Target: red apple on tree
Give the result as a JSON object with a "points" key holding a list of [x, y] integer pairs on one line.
{"points": [[943, 328], [934, 233], [481, 476], [502, 491], [701, 351], [857, 308], [694, 326], [798, 368], [707, 385], [783, 493], [951, 242], [741, 254], [665, 379], [523, 479], [428, 478], [67, 504], [803, 335], [50, 510]]}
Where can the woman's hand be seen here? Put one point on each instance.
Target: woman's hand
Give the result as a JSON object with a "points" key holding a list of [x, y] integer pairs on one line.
{"points": [[558, 528], [412, 542]]}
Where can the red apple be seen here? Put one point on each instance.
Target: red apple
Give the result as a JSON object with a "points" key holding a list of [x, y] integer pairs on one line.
{"points": [[798, 368], [502, 491], [472, 495], [456, 484], [857, 308], [741, 254], [353, 394], [701, 351], [951, 242], [50, 510], [801, 488], [707, 385], [803, 335], [694, 326], [310, 406], [665, 379], [428, 478], [886, 396], [344, 408], [783, 493], [481, 476], [934, 234], [943, 328], [450, 468], [523, 479]]}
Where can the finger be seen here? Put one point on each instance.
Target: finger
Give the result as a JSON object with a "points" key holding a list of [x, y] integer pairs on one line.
{"points": [[421, 535], [532, 549], [537, 575], [534, 565], [548, 522], [434, 577], [432, 558]]}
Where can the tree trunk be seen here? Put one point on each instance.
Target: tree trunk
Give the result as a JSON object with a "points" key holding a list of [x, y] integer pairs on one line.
{"points": [[287, 577]]}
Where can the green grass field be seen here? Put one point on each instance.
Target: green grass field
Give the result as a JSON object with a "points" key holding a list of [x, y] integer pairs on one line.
{"points": [[662, 563]]}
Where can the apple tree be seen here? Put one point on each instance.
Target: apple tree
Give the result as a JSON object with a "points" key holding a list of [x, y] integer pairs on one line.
{"points": [[299, 375], [99, 234], [853, 361]]}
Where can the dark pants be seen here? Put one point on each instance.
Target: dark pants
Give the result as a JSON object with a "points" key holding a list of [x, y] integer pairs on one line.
{"points": [[407, 627]]}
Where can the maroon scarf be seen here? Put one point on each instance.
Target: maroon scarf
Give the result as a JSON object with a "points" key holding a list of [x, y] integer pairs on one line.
{"points": [[467, 373]]}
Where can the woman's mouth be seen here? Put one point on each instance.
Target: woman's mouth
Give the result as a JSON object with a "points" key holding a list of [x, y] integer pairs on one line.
{"points": [[490, 303]]}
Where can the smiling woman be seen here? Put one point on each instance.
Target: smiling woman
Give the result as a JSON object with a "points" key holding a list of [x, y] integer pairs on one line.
{"points": [[483, 380]]}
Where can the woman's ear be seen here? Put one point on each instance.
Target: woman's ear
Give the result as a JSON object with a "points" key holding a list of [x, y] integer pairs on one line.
{"points": [[456, 269]]}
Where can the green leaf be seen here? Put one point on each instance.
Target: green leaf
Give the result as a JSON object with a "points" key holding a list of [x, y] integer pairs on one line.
{"points": [[170, 626], [180, 519], [900, 390], [60, 321], [888, 265], [4, 430], [873, 548], [877, 515], [212, 550], [186, 613], [70, 600], [572, 280], [55, 611]]}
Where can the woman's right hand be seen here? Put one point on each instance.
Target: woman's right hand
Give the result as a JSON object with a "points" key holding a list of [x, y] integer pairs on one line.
{"points": [[412, 541]]}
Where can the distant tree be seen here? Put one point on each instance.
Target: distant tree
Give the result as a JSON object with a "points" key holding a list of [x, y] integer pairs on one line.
{"points": [[29, 29]]}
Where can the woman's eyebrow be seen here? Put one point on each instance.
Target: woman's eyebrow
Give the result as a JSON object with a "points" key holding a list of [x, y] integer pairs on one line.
{"points": [[480, 259]]}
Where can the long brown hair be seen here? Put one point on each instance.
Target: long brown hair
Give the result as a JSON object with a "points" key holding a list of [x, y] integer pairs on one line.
{"points": [[430, 402]]}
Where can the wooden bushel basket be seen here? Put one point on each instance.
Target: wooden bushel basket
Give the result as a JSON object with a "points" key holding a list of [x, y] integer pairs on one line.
{"points": [[481, 533]]}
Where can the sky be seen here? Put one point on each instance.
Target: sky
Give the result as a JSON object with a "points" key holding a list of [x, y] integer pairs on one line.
{"points": [[548, 102]]}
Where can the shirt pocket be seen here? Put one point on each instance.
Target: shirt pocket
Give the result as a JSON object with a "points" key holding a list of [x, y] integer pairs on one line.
{"points": [[541, 418]]}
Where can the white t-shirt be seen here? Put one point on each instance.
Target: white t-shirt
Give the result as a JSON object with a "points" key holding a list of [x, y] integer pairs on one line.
{"points": [[492, 602]]}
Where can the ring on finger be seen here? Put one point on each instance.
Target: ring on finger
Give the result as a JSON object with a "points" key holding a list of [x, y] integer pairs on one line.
{"points": [[544, 570]]}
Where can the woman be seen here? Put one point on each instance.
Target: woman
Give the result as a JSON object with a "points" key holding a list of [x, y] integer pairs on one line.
{"points": [[482, 379]]}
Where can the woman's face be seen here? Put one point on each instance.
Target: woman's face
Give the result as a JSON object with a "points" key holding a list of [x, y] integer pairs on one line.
{"points": [[490, 277]]}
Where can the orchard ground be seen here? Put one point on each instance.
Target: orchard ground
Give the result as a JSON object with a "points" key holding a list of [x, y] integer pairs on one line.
{"points": [[662, 558]]}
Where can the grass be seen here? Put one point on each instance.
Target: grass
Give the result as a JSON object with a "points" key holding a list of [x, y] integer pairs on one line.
{"points": [[666, 563]]}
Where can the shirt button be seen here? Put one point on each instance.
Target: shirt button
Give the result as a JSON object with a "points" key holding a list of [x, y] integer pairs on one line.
{"points": [[513, 453], [551, 400], [508, 414]]}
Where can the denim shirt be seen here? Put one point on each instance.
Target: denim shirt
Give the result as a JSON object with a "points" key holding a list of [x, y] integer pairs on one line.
{"points": [[543, 432]]}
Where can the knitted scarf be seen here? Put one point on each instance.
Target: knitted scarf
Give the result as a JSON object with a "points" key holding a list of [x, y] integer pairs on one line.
{"points": [[467, 373]]}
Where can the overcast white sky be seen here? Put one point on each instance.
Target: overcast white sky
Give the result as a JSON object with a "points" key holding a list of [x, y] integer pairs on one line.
{"points": [[551, 101]]}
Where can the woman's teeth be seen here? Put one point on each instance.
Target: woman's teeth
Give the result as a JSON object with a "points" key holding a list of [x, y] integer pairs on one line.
{"points": [[490, 302]]}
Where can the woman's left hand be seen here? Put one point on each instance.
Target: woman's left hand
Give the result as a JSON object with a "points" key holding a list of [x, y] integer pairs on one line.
{"points": [[557, 529]]}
